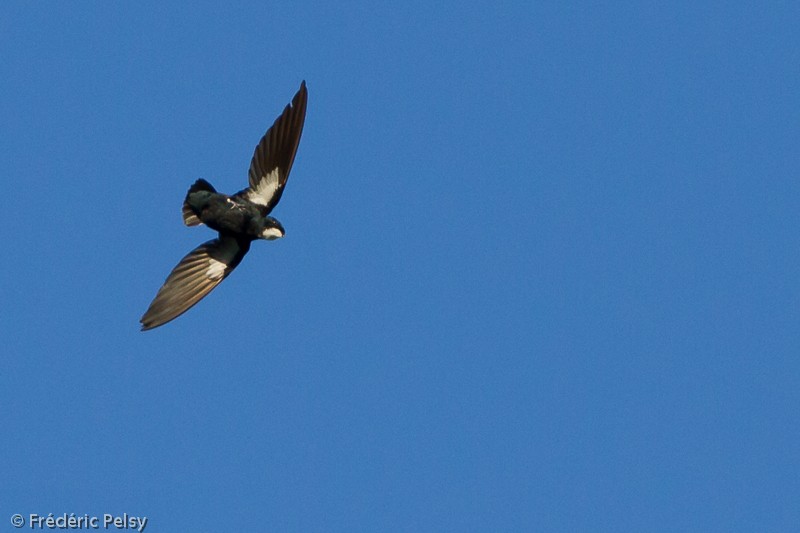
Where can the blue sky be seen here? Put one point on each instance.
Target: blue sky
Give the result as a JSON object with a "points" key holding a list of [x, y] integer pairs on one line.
{"points": [[540, 270]]}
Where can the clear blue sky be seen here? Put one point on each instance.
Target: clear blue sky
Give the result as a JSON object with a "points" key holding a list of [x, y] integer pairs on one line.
{"points": [[540, 272]]}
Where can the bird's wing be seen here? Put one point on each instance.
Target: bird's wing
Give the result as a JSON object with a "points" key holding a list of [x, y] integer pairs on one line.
{"points": [[194, 277], [274, 155]]}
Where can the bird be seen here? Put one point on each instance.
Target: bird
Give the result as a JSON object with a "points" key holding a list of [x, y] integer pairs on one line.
{"points": [[239, 219]]}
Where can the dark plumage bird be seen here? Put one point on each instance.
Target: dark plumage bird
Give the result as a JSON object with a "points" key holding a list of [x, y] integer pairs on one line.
{"points": [[239, 219]]}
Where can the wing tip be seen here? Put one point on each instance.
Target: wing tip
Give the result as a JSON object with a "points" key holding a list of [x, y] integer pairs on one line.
{"points": [[302, 94], [147, 322]]}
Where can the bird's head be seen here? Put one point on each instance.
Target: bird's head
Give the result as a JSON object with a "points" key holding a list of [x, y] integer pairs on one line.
{"points": [[272, 229]]}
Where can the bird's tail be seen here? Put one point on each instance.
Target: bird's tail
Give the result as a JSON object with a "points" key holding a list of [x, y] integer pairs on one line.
{"points": [[189, 218]]}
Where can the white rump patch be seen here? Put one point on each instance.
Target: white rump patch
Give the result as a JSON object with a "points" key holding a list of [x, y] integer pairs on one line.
{"points": [[271, 234], [265, 190], [215, 269]]}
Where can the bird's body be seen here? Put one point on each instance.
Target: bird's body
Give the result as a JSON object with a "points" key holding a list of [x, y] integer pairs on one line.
{"points": [[235, 215], [239, 219]]}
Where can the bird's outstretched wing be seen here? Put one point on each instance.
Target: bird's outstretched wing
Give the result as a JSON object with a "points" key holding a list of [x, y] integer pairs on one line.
{"points": [[194, 277], [274, 155]]}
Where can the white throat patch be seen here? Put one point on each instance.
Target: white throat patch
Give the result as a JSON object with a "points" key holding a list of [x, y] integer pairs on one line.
{"points": [[271, 234]]}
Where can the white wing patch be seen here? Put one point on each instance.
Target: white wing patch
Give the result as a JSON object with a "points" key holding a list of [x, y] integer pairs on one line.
{"points": [[265, 190], [215, 269]]}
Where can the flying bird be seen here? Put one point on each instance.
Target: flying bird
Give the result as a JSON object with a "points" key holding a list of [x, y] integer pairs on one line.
{"points": [[239, 219]]}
